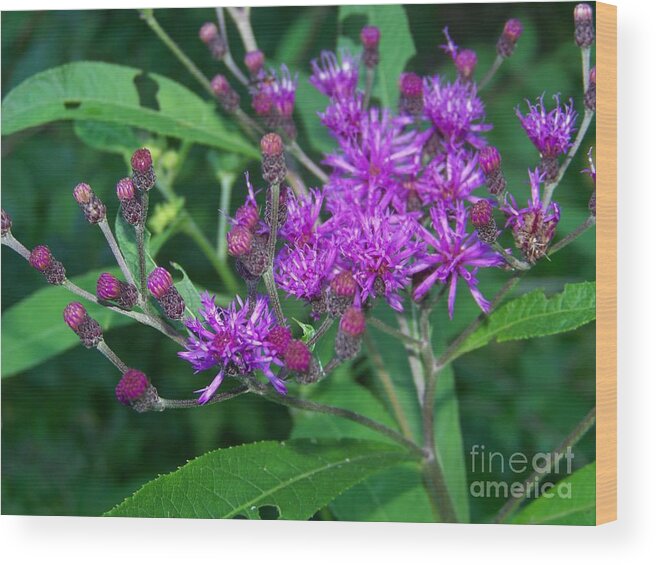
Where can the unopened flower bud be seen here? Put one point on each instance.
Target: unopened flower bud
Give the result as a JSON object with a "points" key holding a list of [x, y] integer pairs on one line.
{"points": [[370, 37], [412, 94], [252, 265], [483, 220], [297, 356], [86, 328], [109, 288], [93, 208], [159, 282], [349, 335], [342, 291], [254, 61], [279, 337], [160, 285], [274, 168], [590, 99], [226, 95], [489, 159], [584, 31], [512, 31], [247, 216], [210, 36], [143, 174], [466, 63], [125, 189], [43, 261], [240, 241], [134, 389], [6, 223]]}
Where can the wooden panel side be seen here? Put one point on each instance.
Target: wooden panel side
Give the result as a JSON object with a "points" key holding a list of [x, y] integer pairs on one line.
{"points": [[606, 153]]}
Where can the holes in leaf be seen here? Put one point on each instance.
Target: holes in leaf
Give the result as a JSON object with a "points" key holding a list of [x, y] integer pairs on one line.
{"points": [[269, 512], [72, 104], [147, 89]]}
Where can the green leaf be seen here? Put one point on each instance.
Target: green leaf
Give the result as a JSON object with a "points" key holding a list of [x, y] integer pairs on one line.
{"points": [[104, 92], [571, 502], [396, 44], [309, 101], [308, 331], [297, 477], [34, 331], [113, 138], [535, 315]]}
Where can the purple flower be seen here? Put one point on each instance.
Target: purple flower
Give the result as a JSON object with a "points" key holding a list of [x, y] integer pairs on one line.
{"points": [[533, 227], [550, 132], [455, 253], [375, 164], [377, 247], [302, 218], [303, 270], [235, 339], [343, 116], [335, 78], [274, 95], [451, 177], [455, 111]]}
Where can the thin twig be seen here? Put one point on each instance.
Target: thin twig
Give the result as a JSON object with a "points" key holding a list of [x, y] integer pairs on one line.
{"points": [[295, 149], [370, 75], [388, 385], [403, 337], [570, 237], [10, 241], [570, 441], [515, 263], [242, 19], [491, 72], [323, 328], [227, 58], [269, 281], [585, 65], [111, 356], [116, 251], [169, 404]]}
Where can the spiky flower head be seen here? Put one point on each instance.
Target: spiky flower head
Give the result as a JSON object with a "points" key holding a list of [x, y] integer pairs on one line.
{"points": [[451, 177], [302, 270], [303, 218], [336, 77], [550, 131], [235, 339], [534, 226], [455, 111], [343, 116], [456, 255]]}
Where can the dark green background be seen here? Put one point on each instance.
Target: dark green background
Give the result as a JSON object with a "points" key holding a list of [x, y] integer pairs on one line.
{"points": [[68, 448]]}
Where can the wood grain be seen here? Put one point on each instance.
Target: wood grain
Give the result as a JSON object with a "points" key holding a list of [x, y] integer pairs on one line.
{"points": [[606, 149]]}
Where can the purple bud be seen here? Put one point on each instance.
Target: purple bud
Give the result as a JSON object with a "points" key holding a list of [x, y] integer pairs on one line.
{"points": [[41, 258], [489, 158], [271, 145], [247, 216], [584, 31], [220, 85], [74, 315], [108, 287], [512, 31], [353, 322], [125, 189], [262, 104], [254, 61], [466, 63], [6, 222], [208, 32], [297, 356], [370, 36], [132, 386], [344, 284], [410, 84], [141, 161], [280, 336], [274, 168], [159, 282], [240, 241], [82, 193], [225, 93], [481, 213]]}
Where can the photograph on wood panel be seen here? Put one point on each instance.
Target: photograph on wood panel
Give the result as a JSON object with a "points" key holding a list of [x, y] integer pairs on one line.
{"points": [[300, 263]]}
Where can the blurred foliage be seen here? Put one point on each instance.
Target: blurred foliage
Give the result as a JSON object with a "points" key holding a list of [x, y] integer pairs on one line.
{"points": [[68, 448]]}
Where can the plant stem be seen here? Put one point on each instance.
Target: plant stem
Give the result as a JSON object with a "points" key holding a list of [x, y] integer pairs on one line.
{"points": [[116, 250], [269, 281], [388, 386], [570, 441], [242, 19], [111, 356], [323, 328], [343, 413], [585, 64], [511, 259], [272, 290], [589, 222], [10, 241], [491, 72], [170, 404], [370, 75], [549, 189], [227, 58], [167, 40], [295, 149], [405, 338]]}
